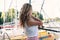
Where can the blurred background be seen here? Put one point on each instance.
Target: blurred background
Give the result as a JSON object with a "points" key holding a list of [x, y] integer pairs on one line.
{"points": [[46, 10]]}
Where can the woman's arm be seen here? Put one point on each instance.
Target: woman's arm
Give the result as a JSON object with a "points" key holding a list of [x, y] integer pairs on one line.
{"points": [[37, 20], [32, 23]]}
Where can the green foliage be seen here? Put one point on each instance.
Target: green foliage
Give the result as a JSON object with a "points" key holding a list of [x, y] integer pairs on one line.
{"points": [[0, 14], [38, 15], [8, 18], [10, 15], [1, 19], [13, 13]]}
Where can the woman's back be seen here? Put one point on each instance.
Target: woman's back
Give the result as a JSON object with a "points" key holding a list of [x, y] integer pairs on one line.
{"points": [[31, 31]]}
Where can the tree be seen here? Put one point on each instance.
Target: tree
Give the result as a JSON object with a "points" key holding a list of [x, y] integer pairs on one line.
{"points": [[0, 14], [8, 17], [1, 19], [40, 16], [13, 13]]}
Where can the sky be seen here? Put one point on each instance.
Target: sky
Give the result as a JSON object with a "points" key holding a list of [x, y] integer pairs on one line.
{"points": [[51, 7]]}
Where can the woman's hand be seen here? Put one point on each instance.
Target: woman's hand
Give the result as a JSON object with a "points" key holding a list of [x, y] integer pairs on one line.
{"points": [[40, 24]]}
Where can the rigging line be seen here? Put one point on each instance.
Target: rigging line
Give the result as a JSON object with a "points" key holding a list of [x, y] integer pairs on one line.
{"points": [[10, 3], [4, 5], [4, 13], [16, 14], [6, 35], [47, 15], [42, 6], [16, 4], [29, 1], [44, 11]]}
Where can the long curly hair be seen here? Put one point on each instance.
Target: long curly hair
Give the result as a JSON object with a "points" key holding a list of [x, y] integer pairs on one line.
{"points": [[24, 13]]}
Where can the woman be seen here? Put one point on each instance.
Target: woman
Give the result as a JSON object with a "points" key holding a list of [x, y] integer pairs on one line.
{"points": [[30, 23]]}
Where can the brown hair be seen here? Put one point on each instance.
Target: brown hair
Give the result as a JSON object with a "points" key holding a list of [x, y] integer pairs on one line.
{"points": [[24, 13]]}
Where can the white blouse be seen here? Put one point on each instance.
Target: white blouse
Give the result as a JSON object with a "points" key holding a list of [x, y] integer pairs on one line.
{"points": [[31, 31]]}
